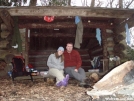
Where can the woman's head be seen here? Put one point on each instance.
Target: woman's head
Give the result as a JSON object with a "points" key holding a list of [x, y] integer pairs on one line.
{"points": [[60, 51]]}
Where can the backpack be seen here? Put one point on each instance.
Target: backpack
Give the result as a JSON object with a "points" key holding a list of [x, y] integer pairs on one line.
{"points": [[95, 62], [18, 64]]}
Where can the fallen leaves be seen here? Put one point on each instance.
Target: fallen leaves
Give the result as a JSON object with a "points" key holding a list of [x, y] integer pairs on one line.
{"points": [[41, 91]]}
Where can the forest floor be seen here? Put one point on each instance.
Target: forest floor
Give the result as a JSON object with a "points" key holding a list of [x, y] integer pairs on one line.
{"points": [[39, 90]]}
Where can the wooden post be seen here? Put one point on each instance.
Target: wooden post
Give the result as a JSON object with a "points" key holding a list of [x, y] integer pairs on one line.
{"points": [[26, 48], [105, 53]]}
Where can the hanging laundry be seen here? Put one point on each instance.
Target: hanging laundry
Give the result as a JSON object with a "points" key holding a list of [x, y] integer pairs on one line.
{"points": [[127, 34], [16, 41], [79, 32], [98, 35]]}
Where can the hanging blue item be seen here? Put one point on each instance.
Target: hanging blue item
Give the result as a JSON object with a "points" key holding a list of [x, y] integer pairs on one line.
{"points": [[98, 35], [77, 19], [127, 34]]}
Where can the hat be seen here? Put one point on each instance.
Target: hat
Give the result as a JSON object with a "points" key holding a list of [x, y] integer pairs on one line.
{"points": [[60, 48]]}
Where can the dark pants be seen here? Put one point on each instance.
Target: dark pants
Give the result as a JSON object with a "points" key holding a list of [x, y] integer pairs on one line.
{"points": [[80, 75]]}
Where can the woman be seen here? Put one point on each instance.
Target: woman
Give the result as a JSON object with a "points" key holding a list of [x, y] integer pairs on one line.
{"points": [[56, 65]]}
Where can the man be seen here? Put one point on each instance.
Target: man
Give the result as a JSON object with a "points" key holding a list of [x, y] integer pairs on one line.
{"points": [[72, 63]]}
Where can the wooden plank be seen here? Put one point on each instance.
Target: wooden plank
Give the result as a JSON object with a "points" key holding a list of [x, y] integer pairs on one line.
{"points": [[69, 11], [26, 49], [90, 35], [96, 48], [45, 52], [32, 59], [64, 25]]}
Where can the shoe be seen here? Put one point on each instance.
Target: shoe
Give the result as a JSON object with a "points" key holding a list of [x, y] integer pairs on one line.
{"points": [[58, 84], [81, 84], [65, 81], [85, 85], [67, 77]]}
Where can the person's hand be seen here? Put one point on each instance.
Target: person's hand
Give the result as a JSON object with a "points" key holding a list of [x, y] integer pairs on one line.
{"points": [[76, 70]]}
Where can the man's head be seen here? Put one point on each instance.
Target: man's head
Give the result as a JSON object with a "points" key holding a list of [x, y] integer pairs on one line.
{"points": [[69, 47]]}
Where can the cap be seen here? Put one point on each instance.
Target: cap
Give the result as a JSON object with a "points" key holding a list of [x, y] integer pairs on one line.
{"points": [[60, 48]]}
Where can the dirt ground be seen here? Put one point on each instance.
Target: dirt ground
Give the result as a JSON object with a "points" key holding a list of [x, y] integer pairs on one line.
{"points": [[40, 90]]}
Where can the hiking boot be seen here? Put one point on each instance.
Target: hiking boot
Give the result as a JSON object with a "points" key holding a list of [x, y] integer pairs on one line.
{"points": [[85, 84], [58, 84], [81, 84], [65, 80]]}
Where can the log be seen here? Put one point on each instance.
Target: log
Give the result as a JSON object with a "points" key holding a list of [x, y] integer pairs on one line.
{"points": [[110, 43], [3, 27], [104, 41], [97, 51], [95, 48], [4, 34], [118, 38], [110, 52], [119, 47], [110, 48], [120, 54], [113, 79], [3, 43], [108, 35], [70, 11], [2, 64], [109, 31], [62, 25], [91, 35], [7, 19]]}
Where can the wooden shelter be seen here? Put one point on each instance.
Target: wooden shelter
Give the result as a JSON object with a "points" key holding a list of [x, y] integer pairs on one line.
{"points": [[46, 37]]}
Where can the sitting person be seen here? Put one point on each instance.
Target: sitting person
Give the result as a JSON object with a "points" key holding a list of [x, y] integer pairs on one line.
{"points": [[56, 65], [72, 63]]}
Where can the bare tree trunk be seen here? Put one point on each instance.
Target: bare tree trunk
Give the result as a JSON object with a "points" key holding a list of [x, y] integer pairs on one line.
{"points": [[111, 3], [33, 2], [92, 3], [69, 2], [120, 3]]}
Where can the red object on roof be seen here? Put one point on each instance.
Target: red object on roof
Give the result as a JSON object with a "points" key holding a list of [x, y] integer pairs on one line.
{"points": [[49, 18]]}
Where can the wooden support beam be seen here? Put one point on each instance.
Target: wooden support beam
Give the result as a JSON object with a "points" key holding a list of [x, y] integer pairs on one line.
{"points": [[105, 53], [26, 49], [69, 11], [90, 35], [64, 25]]}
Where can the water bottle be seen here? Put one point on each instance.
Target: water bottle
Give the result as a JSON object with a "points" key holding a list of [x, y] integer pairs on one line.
{"points": [[27, 69]]}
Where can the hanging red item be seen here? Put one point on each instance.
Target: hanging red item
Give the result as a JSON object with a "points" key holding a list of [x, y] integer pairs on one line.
{"points": [[49, 18]]}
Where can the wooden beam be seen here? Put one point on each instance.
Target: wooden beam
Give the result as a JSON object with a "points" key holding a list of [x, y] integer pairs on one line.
{"points": [[90, 35], [121, 27], [26, 49], [69, 11], [64, 25]]}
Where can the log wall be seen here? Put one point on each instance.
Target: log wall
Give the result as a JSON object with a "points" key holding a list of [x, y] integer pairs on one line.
{"points": [[39, 59]]}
